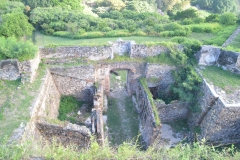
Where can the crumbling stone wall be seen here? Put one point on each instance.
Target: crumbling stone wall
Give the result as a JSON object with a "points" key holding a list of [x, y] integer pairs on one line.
{"points": [[65, 134], [76, 81], [12, 69], [219, 122], [210, 55], [9, 70], [142, 51], [135, 71], [45, 105], [149, 130], [65, 53], [172, 112]]}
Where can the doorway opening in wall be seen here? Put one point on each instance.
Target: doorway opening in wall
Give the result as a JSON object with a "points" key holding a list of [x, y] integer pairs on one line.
{"points": [[122, 118]]}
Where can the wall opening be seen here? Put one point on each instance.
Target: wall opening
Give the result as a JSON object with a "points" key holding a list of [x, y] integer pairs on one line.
{"points": [[122, 118]]}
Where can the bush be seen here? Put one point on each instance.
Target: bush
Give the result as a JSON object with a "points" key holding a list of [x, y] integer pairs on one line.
{"points": [[89, 35], [187, 21], [117, 33], [11, 48], [212, 18], [228, 19]]}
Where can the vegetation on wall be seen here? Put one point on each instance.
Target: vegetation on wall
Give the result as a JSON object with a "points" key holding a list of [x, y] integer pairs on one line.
{"points": [[144, 84]]}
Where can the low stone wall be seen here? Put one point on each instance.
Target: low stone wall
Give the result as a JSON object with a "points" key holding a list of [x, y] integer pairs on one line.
{"points": [[12, 69], [65, 134], [211, 55], [76, 81], [66, 53], [208, 55], [219, 122], [172, 112], [45, 105], [142, 51], [149, 130]]}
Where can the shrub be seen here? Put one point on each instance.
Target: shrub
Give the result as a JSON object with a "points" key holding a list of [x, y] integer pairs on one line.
{"points": [[14, 49], [212, 18], [89, 35], [198, 20], [228, 19], [139, 33], [187, 21], [117, 33]]}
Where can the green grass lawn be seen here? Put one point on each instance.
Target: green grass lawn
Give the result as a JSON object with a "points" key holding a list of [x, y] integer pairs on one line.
{"points": [[42, 40], [226, 80]]}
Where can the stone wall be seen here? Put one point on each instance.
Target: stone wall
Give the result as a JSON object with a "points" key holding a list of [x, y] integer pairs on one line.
{"points": [[142, 51], [12, 69], [149, 130], [9, 69], [172, 112], [135, 71], [210, 55], [66, 134], [219, 122], [45, 105], [121, 47], [76, 81], [65, 53]]}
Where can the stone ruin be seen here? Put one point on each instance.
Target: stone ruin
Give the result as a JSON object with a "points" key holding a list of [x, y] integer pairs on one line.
{"points": [[219, 120]]}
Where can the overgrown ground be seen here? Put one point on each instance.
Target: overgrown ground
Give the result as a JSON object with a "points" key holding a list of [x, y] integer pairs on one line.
{"points": [[122, 117], [15, 100], [226, 80]]}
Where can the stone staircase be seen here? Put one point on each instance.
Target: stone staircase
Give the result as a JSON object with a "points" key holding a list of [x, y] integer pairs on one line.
{"points": [[232, 37]]}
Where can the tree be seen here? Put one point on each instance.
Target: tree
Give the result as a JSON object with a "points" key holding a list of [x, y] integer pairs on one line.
{"points": [[15, 25], [228, 19], [221, 6]]}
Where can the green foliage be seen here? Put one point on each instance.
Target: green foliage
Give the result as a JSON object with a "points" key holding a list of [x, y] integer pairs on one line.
{"points": [[221, 36], [150, 97], [187, 84], [11, 48], [10, 7], [70, 4], [218, 6], [189, 13], [227, 18], [68, 104], [212, 18], [15, 24]]}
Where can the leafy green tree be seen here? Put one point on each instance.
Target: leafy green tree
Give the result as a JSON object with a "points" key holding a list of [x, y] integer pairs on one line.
{"points": [[70, 4], [221, 6], [228, 18], [15, 25], [205, 4]]}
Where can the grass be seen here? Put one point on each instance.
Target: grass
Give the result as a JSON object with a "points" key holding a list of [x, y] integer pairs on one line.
{"points": [[42, 40], [226, 80], [179, 126], [68, 104], [150, 97], [117, 123], [194, 151], [161, 59], [16, 98]]}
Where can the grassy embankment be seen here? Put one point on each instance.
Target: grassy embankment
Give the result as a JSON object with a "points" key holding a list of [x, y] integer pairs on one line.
{"points": [[15, 100]]}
